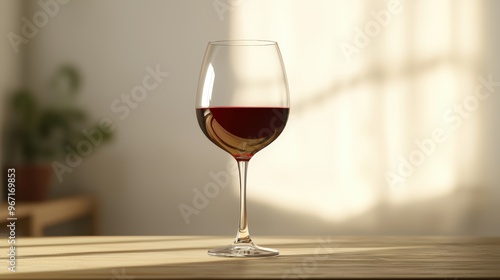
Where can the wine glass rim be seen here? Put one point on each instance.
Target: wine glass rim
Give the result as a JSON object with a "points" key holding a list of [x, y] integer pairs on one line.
{"points": [[243, 43]]}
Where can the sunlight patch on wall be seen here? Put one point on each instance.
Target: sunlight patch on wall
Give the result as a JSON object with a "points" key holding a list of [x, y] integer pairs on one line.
{"points": [[432, 24], [327, 176], [351, 123]]}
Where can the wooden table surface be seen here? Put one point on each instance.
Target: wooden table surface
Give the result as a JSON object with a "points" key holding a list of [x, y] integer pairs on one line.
{"points": [[185, 257]]}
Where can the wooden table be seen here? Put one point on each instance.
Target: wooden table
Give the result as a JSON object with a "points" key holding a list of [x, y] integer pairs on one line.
{"points": [[34, 217], [185, 257]]}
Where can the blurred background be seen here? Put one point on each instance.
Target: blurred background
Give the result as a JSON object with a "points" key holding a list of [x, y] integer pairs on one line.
{"points": [[393, 126]]}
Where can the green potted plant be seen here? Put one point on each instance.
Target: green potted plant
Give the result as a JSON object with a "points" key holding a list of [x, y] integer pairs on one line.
{"points": [[36, 134]]}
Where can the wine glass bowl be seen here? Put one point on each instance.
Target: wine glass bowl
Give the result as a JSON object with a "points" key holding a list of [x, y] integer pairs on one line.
{"points": [[242, 105], [242, 131]]}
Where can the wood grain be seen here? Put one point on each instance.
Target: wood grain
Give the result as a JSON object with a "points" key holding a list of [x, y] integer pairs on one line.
{"points": [[185, 257]]}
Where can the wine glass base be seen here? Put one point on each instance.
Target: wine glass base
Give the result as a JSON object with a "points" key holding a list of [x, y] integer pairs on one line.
{"points": [[243, 250]]}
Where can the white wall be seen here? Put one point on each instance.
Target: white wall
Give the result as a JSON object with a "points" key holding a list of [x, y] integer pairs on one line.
{"points": [[159, 155], [491, 117], [10, 70]]}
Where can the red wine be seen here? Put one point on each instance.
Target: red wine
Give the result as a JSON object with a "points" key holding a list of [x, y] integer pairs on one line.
{"points": [[242, 131]]}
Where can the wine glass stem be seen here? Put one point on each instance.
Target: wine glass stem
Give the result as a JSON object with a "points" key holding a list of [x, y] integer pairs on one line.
{"points": [[243, 236]]}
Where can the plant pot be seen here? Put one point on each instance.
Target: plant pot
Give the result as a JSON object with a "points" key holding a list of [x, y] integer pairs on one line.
{"points": [[32, 181]]}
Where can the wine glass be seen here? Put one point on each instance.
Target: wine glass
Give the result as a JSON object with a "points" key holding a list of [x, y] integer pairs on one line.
{"points": [[242, 105]]}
